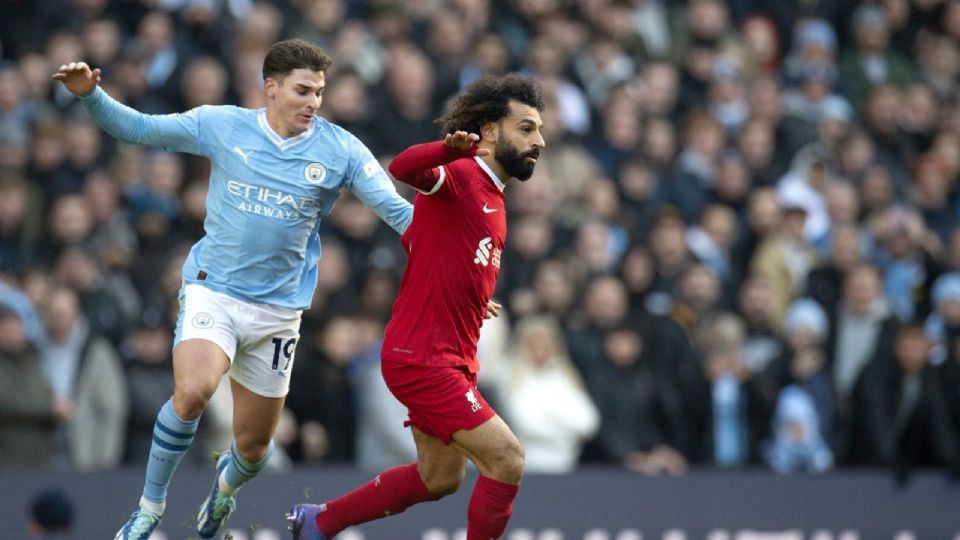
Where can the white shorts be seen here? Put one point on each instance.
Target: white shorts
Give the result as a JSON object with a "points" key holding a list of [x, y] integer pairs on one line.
{"points": [[259, 339]]}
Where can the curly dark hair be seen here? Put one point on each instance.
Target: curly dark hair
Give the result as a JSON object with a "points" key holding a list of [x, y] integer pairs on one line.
{"points": [[487, 100], [286, 56]]}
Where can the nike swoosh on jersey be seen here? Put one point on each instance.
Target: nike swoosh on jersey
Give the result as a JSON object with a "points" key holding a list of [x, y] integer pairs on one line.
{"points": [[488, 210]]}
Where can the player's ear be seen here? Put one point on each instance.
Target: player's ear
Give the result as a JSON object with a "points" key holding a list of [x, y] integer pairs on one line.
{"points": [[489, 132], [270, 87]]}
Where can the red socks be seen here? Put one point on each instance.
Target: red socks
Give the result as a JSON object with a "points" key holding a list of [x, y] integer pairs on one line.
{"points": [[392, 492], [399, 488], [490, 507]]}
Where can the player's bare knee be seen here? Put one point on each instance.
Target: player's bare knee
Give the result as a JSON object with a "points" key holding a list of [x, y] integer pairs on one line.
{"points": [[189, 400], [442, 486], [515, 460], [507, 464], [443, 483], [252, 448]]}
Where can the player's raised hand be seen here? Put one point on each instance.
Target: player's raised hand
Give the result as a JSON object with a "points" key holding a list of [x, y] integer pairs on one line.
{"points": [[78, 77], [461, 140]]}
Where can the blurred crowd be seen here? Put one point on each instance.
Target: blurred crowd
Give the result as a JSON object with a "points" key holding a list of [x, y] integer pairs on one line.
{"points": [[741, 246]]}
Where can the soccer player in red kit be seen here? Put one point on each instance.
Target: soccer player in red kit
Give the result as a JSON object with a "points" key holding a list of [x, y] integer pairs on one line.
{"points": [[429, 354]]}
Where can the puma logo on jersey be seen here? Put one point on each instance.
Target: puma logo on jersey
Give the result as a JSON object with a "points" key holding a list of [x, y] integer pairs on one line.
{"points": [[487, 209], [243, 155], [487, 254], [475, 404]]}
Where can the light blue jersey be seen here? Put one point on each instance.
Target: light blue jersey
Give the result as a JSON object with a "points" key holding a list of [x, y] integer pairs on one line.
{"points": [[267, 193]]}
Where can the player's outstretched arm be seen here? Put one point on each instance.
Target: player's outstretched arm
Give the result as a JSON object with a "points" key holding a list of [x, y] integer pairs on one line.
{"points": [[418, 164], [367, 180], [395, 211], [178, 132]]}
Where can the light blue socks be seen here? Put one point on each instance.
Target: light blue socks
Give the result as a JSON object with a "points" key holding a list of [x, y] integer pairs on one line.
{"points": [[171, 440], [240, 470]]}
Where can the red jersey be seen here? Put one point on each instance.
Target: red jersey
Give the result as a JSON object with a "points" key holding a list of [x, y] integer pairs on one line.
{"points": [[453, 250]]}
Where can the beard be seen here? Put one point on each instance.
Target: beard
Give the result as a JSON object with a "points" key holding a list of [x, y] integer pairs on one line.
{"points": [[513, 160]]}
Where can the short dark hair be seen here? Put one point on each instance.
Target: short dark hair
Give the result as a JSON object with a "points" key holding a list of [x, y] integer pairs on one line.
{"points": [[487, 99], [286, 56]]}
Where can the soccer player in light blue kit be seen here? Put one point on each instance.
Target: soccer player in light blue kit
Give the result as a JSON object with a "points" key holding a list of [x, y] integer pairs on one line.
{"points": [[276, 172]]}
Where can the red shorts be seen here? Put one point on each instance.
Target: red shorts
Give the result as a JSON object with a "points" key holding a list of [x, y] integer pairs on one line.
{"points": [[440, 400]]}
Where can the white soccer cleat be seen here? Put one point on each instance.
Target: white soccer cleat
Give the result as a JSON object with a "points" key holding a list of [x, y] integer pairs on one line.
{"points": [[139, 527]]}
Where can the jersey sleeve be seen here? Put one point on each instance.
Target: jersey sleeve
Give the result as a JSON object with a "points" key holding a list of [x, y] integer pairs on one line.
{"points": [[367, 180], [423, 166], [174, 132]]}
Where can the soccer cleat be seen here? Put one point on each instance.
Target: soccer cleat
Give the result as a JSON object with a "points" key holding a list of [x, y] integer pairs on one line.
{"points": [[303, 521], [139, 527], [217, 507]]}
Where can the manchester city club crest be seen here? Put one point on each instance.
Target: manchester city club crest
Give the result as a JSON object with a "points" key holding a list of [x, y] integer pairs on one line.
{"points": [[315, 173], [202, 320]]}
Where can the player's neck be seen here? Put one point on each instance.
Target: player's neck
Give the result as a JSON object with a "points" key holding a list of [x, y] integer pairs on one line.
{"points": [[273, 120], [496, 167]]}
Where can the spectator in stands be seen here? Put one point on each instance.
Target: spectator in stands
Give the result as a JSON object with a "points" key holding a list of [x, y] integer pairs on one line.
{"points": [[531, 240], [785, 257], [904, 252], [756, 144], [937, 62], [671, 257], [762, 343], [149, 373], [711, 241], [409, 105], [948, 371], [881, 113], [902, 417], [83, 147], [321, 397], [109, 300], [20, 224], [825, 281], [943, 324], [931, 187], [29, 412], [694, 177], [83, 369], [637, 415], [814, 48], [205, 81], [604, 307], [860, 326], [798, 445], [545, 398], [697, 300], [555, 289], [382, 441], [872, 62], [70, 226], [801, 366], [727, 435]]}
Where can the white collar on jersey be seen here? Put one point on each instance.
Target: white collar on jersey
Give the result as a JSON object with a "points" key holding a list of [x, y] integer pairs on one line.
{"points": [[283, 142], [486, 169]]}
